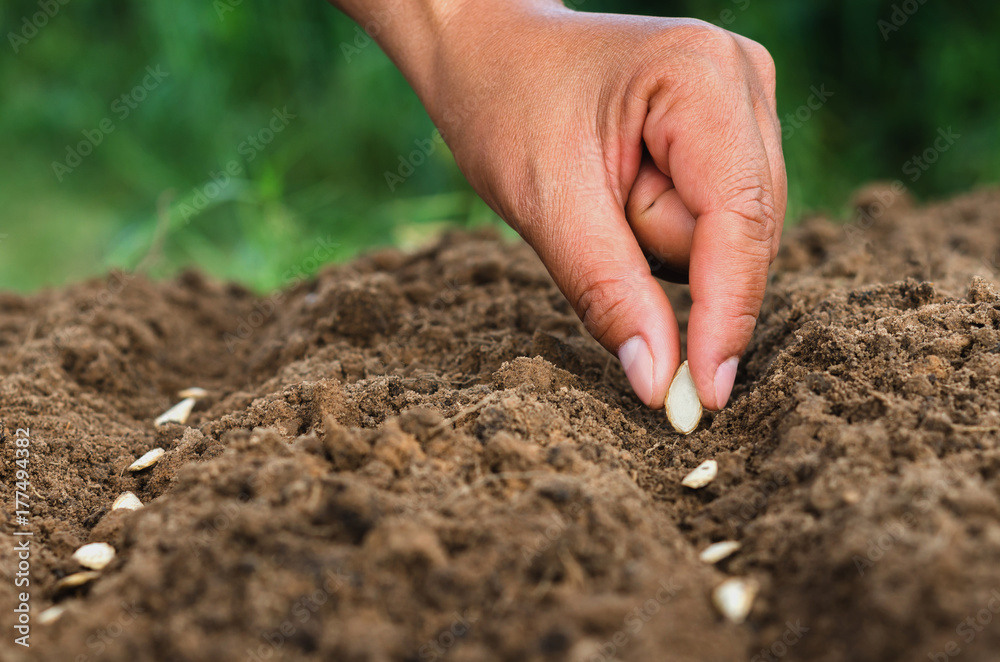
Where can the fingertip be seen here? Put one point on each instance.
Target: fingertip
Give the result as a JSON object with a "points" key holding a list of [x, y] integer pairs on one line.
{"points": [[725, 378], [650, 358], [637, 361]]}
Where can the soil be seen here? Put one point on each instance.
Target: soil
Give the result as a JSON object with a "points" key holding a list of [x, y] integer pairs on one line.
{"points": [[423, 456]]}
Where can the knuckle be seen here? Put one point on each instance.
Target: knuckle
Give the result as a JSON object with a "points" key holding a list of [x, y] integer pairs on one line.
{"points": [[761, 59], [712, 39], [753, 205], [601, 301], [741, 306], [762, 62], [714, 47], [742, 323]]}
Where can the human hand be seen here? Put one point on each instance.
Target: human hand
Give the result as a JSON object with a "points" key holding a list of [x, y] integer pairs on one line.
{"points": [[601, 137]]}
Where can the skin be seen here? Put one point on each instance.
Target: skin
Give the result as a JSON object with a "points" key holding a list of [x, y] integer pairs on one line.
{"points": [[604, 139]]}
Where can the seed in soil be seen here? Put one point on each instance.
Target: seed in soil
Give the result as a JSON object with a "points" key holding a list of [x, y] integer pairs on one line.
{"points": [[734, 598], [96, 555], [720, 550], [127, 501], [702, 475], [682, 403], [51, 615], [147, 460], [177, 414], [77, 579], [195, 392]]}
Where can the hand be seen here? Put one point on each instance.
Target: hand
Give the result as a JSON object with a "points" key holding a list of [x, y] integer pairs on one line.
{"points": [[601, 137]]}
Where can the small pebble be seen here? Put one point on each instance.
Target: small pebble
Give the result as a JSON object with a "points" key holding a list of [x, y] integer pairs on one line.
{"points": [[719, 550], [96, 555], [147, 460], [177, 414], [127, 501], [734, 598], [702, 475]]}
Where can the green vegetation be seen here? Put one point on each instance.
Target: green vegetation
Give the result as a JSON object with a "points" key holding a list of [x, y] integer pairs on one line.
{"points": [[143, 177]]}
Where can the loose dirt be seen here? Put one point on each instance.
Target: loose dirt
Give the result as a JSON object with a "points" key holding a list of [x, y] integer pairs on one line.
{"points": [[424, 457]]}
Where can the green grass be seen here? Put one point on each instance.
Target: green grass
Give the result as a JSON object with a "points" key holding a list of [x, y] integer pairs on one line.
{"points": [[321, 179]]}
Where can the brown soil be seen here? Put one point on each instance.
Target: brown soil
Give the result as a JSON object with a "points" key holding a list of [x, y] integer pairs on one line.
{"points": [[423, 457]]}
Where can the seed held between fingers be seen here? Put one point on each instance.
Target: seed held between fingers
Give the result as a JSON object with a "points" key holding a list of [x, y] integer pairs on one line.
{"points": [[682, 404]]}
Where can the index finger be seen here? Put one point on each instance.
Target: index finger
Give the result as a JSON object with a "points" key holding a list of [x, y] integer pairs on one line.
{"points": [[715, 152]]}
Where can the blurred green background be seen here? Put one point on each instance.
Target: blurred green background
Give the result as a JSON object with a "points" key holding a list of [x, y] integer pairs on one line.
{"points": [[149, 190]]}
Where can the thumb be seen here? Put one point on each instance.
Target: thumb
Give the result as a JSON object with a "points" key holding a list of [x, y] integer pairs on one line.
{"points": [[726, 164], [595, 260]]}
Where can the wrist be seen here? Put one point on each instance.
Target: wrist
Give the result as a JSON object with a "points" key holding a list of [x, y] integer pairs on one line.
{"points": [[444, 46]]}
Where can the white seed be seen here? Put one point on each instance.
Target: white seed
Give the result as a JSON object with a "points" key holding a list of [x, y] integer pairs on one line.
{"points": [[702, 475], [177, 414], [51, 615], [147, 460], [734, 598], [195, 392], [96, 555], [127, 501], [77, 579], [718, 551], [682, 403]]}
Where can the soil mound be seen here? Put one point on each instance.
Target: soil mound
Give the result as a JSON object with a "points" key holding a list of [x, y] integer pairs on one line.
{"points": [[424, 457]]}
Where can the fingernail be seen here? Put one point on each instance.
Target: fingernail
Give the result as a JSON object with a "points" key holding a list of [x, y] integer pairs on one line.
{"points": [[638, 363], [725, 377]]}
